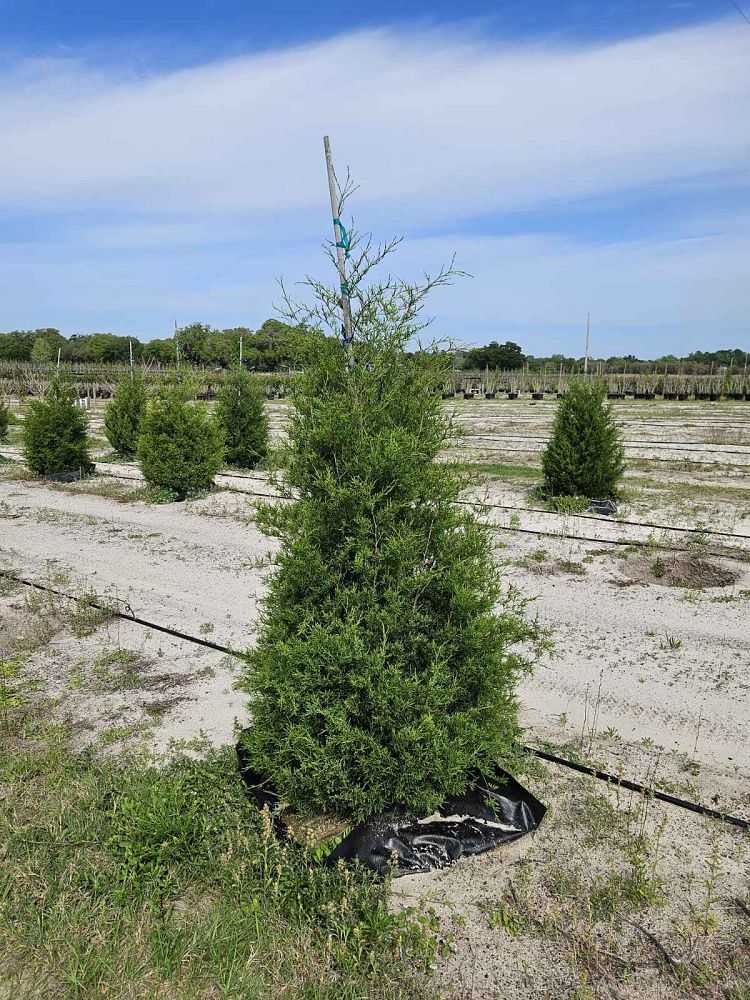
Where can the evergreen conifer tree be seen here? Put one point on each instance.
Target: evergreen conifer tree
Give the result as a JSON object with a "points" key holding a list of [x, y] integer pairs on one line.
{"points": [[55, 433], [180, 444], [123, 416], [389, 647], [5, 420], [585, 455], [240, 411]]}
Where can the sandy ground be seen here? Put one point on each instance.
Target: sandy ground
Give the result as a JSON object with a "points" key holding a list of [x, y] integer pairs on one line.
{"points": [[631, 657], [651, 679]]}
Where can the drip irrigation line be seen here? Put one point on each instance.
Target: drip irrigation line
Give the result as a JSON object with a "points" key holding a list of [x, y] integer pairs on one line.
{"points": [[128, 617], [604, 520], [540, 532], [613, 779], [684, 446], [642, 458], [635, 786], [511, 507]]}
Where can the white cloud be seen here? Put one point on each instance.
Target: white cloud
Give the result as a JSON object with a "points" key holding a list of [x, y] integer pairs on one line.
{"points": [[443, 126], [212, 181]]}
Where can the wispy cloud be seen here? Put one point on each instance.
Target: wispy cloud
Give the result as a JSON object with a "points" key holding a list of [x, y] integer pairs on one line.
{"points": [[438, 130]]}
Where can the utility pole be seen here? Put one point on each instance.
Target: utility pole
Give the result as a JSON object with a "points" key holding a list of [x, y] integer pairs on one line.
{"points": [[341, 238], [240, 350], [130, 345], [586, 355], [176, 345]]}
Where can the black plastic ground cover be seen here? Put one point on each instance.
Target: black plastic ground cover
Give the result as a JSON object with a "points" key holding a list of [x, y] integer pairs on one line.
{"points": [[608, 506], [71, 476], [494, 810]]}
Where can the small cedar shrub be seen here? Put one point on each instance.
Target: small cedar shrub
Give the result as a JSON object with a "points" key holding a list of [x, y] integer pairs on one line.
{"points": [[241, 413], [55, 437], [388, 651], [5, 420], [585, 456], [180, 444], [123, 416]]}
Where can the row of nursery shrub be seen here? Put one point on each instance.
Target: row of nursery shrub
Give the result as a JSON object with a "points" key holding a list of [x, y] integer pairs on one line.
{"points": [[180, 446]]}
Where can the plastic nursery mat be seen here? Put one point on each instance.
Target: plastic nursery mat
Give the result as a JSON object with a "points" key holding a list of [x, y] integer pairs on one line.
{"points": [[494, 810], [70, 477]]}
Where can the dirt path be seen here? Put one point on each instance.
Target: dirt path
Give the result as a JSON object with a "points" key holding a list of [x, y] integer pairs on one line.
{"points": [[647, 662]]}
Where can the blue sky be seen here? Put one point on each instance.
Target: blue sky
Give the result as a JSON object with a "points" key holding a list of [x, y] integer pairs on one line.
{"points": [[163, 161]]}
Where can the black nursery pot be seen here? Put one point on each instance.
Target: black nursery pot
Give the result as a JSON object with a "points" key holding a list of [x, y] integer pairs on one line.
{"points": [[682, 396], [514, 395], [270, 395], [607, 507], [713, 396], [468, 395], [537, 395], [489, 395]]}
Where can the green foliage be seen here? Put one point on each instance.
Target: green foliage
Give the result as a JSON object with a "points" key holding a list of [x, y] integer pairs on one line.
{"points": [[42, 350], [121, 880], [241, 413], [180, 446], [5, 419], [382, 672], [123, 416], [494, 355], [268, 349], [585, 455], [55, 433]]}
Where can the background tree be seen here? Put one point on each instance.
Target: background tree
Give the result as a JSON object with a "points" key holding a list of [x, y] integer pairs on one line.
{"points": [[124, 414], [585, 456], [241, 413], [180, 446], [494, 355], [55, 433], [382, 673], [161, 351], [42, 351], [5, 420]]}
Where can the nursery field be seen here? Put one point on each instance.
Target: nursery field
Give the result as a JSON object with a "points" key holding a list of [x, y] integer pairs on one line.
{"points": [[127, 642]]}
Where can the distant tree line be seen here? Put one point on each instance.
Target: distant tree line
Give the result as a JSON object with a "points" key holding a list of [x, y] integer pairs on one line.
{"points": [[271, 348], [509, 356], [268, 349]]}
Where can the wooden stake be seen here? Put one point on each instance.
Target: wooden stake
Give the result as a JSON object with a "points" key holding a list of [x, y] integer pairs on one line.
{"points": [[339, 232]]}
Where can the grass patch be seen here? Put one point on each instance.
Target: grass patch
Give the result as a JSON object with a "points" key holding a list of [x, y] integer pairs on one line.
{"points": [[498, 470], [121, 879]]}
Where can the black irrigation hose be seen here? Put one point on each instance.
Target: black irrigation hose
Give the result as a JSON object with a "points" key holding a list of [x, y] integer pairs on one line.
{"points": [[561, 761], [687, 447], [635, 786], [644, 458], [502, 506], [523, 531], [604, 520], [131, 617]]}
